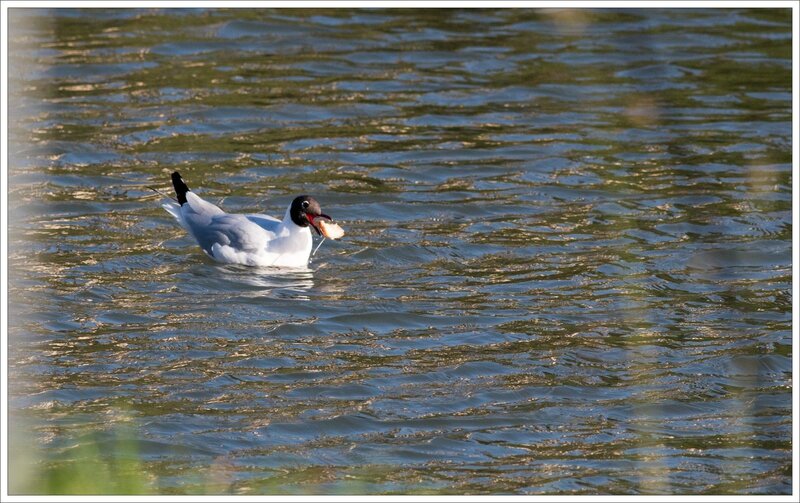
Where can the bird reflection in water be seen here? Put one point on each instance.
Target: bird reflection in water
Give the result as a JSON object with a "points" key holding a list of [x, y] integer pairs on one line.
{"points": [[264, 281]]}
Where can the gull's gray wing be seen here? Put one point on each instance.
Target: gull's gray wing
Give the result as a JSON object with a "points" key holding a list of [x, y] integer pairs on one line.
{"points": [[235, 231], [266, 222], [210, 225]]}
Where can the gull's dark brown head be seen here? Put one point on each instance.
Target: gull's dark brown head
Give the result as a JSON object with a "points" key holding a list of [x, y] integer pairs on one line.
{"points": [[305, 210]]}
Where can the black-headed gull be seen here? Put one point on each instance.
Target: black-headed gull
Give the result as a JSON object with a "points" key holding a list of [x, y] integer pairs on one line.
{"points": [[254, 240]]}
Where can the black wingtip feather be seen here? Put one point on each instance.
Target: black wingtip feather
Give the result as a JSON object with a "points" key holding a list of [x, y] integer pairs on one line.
{"points": [[180, 187]]}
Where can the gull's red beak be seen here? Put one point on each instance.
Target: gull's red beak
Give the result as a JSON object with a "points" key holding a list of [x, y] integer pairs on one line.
{"points": [[311, 218]]}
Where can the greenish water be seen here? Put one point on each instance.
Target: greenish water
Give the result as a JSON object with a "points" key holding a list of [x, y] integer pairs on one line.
{"points": [[567, 267]]}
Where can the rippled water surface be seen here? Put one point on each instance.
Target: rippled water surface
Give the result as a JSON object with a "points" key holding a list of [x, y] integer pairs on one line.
{"points": [[567, 267]]}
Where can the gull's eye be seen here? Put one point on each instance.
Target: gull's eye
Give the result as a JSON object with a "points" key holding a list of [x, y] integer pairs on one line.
{"points": [[305, 204]]}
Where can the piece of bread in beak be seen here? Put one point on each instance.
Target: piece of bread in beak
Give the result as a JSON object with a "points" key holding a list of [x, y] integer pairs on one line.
{"points": [[330, 229]]}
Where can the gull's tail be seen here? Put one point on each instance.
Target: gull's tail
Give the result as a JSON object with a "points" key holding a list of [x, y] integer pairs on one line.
{"points": [[180, 190], [180, 187]]}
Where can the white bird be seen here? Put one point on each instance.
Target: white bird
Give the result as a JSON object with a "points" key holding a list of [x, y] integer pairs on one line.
{"points": [[254, 240]]}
